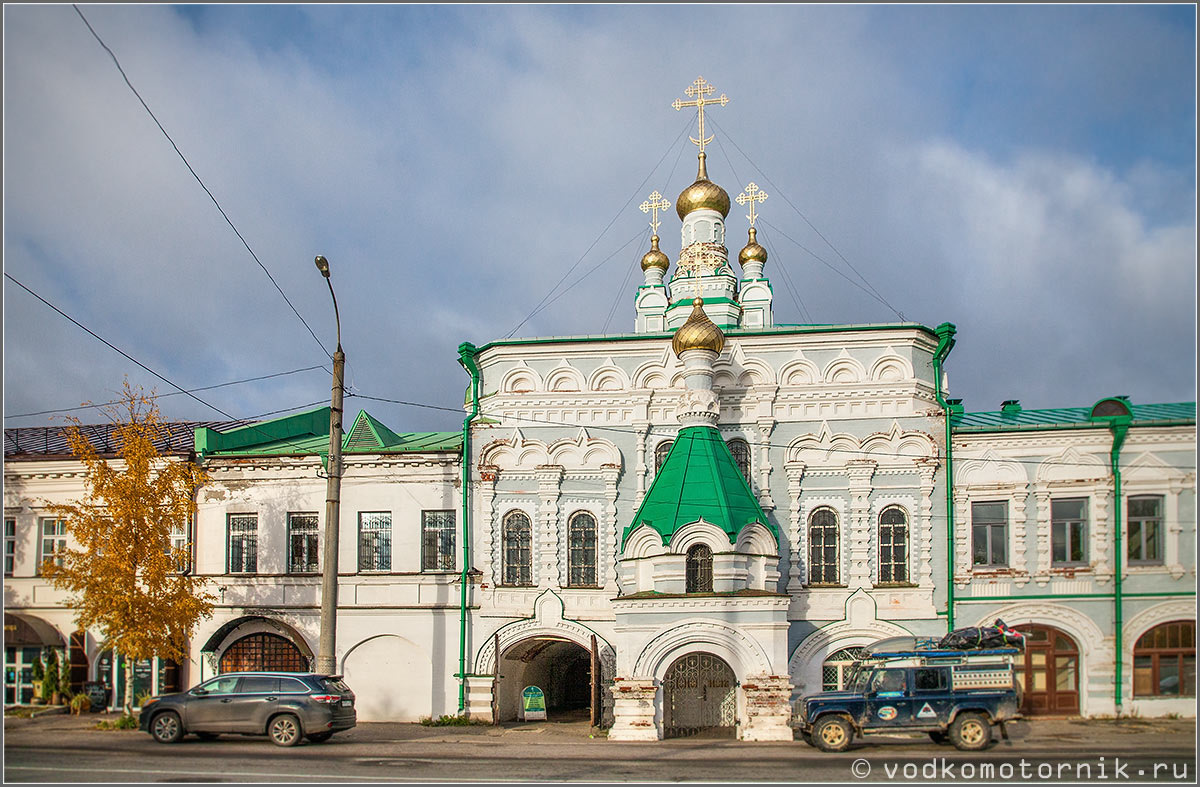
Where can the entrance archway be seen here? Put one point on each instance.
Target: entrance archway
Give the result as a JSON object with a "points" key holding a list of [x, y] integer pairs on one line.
{"points": [[561, 668], [263, 652], [1050, 674], [699, 697]]}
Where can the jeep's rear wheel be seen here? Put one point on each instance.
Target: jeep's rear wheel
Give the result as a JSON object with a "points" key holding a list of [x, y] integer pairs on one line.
{"points": [[971, 732], [832, 733]]}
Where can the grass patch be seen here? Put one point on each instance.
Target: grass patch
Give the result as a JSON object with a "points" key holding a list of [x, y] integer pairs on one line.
{"points": [[450, 721], [19, 711], [124, 722]]}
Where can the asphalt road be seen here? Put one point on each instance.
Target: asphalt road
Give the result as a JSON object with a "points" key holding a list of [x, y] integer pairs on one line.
{"points": [[65, 749]]}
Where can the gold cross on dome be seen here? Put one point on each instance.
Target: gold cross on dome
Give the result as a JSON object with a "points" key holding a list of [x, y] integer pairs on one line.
{"points": [[751, 195], [699, 89], [654, 203]]}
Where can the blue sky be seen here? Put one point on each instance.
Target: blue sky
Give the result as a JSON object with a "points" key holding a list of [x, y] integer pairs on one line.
{"points": [[1026, 172]]}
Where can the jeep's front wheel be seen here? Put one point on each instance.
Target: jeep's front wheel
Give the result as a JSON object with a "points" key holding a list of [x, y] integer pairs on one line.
{"points": [[832, 733], [971, 732]]}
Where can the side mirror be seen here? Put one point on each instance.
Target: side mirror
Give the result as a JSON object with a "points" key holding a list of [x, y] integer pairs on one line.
{"points": [[199, 692]]}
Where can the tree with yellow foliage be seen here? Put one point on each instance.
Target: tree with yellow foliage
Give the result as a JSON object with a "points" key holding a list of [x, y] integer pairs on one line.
{"points": [[125, 578]]}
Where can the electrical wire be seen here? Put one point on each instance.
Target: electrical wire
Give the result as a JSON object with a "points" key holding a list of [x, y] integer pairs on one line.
{"points": [[187, 164], [173, 393], [543, 303], [133, 360]]}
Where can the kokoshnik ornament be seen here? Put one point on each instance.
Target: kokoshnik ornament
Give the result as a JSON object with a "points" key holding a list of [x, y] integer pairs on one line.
{"points": [[701, 258]]}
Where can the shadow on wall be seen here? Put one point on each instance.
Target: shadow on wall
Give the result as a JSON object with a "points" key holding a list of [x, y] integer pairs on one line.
{"points": [[391, 678]]}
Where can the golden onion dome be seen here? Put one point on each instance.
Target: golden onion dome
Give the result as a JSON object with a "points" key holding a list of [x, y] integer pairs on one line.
{"points": [[702, 194], [655, 258], [698, 333], [752, 250]]}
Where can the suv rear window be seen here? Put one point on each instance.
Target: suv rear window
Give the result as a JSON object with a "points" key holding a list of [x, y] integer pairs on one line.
{"points": [[292, 686], [333, 684]]}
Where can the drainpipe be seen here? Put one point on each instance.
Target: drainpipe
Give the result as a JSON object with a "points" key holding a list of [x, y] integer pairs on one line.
{"points": [[1120, 428], [466, 357], [945, 333]]}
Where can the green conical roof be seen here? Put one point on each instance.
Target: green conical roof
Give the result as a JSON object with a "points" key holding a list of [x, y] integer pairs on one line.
{"points": [[699, 480]]}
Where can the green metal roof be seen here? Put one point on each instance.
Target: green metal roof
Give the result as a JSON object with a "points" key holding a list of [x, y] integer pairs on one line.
{"points": [[1019, 420], [306, 434], [699, 480]]}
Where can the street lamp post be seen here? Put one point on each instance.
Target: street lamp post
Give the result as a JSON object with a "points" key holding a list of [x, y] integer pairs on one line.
{"points": [[326, 650]]}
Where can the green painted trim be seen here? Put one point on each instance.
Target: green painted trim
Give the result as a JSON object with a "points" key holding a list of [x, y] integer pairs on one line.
{"points": [[945, 334], [1069, 426], [779, 330], [688, 302], [1120, 428], [466, 356]]}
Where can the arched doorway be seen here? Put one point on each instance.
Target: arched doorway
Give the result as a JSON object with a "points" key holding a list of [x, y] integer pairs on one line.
{"points": [[263, 651], [561, 668], [1050, 674], [699, 697]]}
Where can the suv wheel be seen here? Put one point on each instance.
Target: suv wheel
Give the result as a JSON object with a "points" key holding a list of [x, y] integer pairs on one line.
{"points": [[166, 727], [284, 730], [832, 733], [971, 732]]}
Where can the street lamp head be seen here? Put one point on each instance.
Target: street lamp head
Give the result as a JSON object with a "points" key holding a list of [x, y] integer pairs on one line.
{"points": [[323, 266]]}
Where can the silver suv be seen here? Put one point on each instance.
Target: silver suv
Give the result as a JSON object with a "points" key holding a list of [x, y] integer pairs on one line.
{"points": [[284, 706]]}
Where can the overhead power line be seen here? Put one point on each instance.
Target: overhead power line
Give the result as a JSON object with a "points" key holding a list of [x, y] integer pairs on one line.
{"points": [[130, 358], [172, 393], [183, 158]]}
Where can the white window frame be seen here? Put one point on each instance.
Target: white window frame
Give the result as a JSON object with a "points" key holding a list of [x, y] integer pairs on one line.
{"points": [[244, 535], [57, 541]]}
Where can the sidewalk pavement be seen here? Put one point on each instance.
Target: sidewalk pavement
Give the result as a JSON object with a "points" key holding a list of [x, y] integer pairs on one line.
{"points": [[1039, 729]]}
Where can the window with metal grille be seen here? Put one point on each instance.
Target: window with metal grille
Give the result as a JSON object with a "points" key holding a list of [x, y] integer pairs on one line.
{"points": [[699, 569], [893, 545], [516, 541], [1145, 529], [823, 547], [10, 546], [1068, 531], [303, 543], [660, 453], [581, 550], [741, 456], [437, 540], [243, 543], [836, 670], [262, 653], [375, 541], [1164, 661], [53, 542], [989, 534]]}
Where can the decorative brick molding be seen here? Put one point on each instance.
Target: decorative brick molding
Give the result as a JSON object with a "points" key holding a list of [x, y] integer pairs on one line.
{"points": [[633, 710], [768, 708]]}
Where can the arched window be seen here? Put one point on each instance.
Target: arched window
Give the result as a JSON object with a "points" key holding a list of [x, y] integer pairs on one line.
{"points": [[700, 569], [581, 551], [741, 456], [518, 553], [660, 453], [836, 670], [823, 547], [1164, 661], [262, 652], [893, 546]]}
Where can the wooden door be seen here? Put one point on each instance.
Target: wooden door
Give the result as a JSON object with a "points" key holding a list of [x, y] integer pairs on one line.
{"points": [[1050, 675]]}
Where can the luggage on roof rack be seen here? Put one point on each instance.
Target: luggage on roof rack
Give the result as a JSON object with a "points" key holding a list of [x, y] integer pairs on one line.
{"points": [[997, 635]]}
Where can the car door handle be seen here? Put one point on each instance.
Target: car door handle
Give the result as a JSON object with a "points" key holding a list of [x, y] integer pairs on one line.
{"points": [[271, 699], [227, 700]]}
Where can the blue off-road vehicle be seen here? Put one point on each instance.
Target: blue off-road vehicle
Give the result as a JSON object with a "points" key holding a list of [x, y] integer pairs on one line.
{"points": [[955, 695]]}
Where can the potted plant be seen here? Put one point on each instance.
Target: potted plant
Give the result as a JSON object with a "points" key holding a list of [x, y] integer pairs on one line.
{"points": [[80, 704], [38, 671], [50, 680], [64, 681]]}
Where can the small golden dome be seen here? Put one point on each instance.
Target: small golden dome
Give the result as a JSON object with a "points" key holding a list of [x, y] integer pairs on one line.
{"points": [[655, 258], [698, 333], [702, 194], [752, 251]]}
